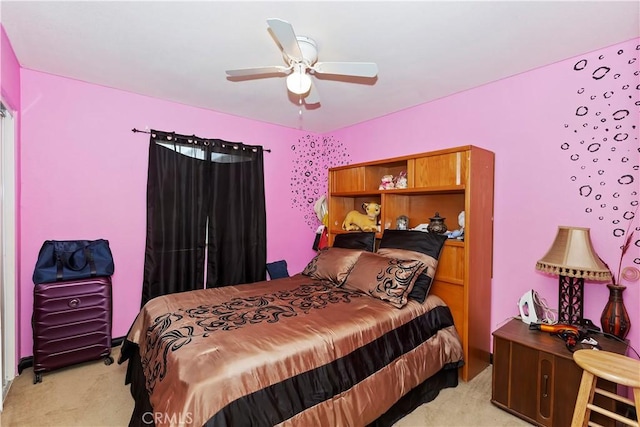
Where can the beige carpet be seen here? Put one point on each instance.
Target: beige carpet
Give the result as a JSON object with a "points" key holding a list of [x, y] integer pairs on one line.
{"points": [[93, 394]]}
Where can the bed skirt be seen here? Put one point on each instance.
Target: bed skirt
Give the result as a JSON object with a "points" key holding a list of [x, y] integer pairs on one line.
{"points": [[142, 415]]}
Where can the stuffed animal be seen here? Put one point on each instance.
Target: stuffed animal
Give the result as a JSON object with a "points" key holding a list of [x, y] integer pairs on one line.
{"points": [[358, 221], [400, 181], [386, 182]]}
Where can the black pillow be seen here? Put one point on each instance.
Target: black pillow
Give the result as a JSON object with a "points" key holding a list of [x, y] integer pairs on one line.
{"points": [[277, 269], [411, 240], [363, 240], [421, 288]]}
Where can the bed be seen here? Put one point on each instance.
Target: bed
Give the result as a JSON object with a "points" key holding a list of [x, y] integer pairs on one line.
{"points": [[336, 345]]}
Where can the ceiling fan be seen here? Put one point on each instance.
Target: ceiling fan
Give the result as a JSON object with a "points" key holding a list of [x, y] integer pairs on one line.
{"points": [[301, 55]]}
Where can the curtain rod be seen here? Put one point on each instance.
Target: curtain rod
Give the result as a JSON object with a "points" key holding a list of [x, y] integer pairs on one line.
{"points": [[134, 130]]}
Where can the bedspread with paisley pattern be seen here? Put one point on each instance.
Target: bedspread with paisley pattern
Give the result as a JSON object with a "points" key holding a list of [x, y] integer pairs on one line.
{"points": [[291, 351]]}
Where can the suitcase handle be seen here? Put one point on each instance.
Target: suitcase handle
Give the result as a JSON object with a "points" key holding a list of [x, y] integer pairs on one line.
{"points": [[74, 303]]}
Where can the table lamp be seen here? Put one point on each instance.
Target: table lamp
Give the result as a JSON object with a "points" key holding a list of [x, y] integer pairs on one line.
{"points": [[573, 259]]}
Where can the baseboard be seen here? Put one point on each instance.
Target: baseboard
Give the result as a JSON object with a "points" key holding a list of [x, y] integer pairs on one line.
{"points": [[27, 362], [24, 363]]}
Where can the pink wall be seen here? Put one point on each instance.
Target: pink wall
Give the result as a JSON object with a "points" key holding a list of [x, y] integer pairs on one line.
{"points": [[535, 122], [84, 177]]}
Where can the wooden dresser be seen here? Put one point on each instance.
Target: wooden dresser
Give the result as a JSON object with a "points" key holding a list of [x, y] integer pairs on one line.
{"points": [[535, 377]]}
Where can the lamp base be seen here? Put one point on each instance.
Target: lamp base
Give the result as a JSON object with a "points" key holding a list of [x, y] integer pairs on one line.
{"points": [[570, 300]]}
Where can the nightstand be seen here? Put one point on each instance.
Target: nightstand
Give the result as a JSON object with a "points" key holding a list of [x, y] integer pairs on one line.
{"points": [[535, 377]]}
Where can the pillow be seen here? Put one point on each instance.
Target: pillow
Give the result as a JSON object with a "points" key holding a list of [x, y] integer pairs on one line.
{"points": [[411, 240], [388, 279], [277, 269], [421, 288], [423, 284], [356, 240], [332, 264]]}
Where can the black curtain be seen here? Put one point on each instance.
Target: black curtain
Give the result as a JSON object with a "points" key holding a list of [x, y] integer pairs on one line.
{"points": [[201, 190]]}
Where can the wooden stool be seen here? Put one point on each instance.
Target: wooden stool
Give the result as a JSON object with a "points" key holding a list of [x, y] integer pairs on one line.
{"points": [[613, 367]]}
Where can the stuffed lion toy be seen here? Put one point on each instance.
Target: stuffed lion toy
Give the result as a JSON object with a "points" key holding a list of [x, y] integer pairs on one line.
{"points": [[355, 220]]}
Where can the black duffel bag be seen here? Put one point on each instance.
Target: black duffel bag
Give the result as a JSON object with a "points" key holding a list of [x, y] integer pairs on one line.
{"points": [[72, 260]]}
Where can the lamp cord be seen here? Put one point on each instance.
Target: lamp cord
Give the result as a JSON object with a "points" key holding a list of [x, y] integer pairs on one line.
{"points": [[608, 335]]}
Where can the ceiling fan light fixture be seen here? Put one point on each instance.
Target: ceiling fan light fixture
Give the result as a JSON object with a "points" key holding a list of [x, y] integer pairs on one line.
{"points": [[301, 56], [298, 82]]}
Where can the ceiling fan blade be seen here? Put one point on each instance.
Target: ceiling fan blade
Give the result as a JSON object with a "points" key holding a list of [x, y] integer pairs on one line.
{"points": [[241, 72], [286, 37], [356, 69], [312, 97]]}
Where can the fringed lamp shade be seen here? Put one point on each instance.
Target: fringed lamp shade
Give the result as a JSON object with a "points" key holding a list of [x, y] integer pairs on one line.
{"points": [[573, 258], [572, 255]]}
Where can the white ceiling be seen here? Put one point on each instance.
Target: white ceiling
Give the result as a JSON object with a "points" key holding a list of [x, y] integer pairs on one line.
{"points": [[425, 50]]}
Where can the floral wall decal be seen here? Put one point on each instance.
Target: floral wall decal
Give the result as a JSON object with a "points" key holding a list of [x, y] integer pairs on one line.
{"points": [[313, 156], [602, 140]]}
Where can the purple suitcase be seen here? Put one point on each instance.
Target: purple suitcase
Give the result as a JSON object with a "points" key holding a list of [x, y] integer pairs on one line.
{"points": [[71, 323]]}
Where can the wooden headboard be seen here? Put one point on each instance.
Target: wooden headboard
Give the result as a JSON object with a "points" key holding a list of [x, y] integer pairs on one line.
{"points": [[445, 181]]}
